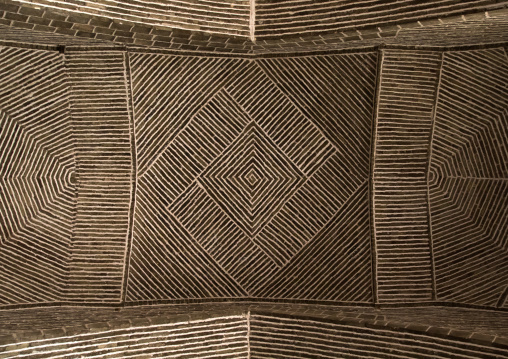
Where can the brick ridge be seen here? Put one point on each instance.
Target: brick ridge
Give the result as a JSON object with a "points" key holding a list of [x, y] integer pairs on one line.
{"points": [[252, 300], [352, 50]]}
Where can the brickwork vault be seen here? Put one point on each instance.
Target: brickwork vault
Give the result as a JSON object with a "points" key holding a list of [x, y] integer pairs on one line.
{"points": [[215, 184]]}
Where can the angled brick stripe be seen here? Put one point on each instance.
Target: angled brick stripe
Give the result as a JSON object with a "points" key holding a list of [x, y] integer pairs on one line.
{"points": [[178, 136], [224, 337], [101, 121], [195, 146], [167, 262], [252, 179], [239, 177], [468, 178], [182, 77], [335, 264], [309, 209], [217, 16], [37, 177], [407, 93], [276, 18], [285, 336], [31, 184], [223, 239], [280, 118], [470, 268], [472, 142], [336, 93], [204, 138], [327, 185]]}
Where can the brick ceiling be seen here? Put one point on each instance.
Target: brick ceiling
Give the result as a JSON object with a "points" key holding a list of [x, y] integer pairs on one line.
{"points": [[291, 156], [244, 28]]}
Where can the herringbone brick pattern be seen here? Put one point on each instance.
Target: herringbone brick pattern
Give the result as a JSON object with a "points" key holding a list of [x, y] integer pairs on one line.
{"points": [[468, 178], [37, 177]]}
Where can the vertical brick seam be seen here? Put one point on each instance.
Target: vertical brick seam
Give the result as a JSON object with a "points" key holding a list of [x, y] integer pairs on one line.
{"points": [[134, 176]]}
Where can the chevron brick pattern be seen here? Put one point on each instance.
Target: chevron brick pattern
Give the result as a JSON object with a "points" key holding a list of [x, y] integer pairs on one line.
{"points": [[234, 181], [37, 177], [252, 180], [101, 120], [407, 93], [468, 178], [344, 245]]}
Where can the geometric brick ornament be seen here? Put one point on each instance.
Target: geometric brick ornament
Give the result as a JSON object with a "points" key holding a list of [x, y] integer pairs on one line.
{"points": [[252, 180]]}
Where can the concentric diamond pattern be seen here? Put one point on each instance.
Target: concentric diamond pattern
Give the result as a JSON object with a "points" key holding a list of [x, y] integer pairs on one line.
{"points": [[237, 181], [252, 180]]}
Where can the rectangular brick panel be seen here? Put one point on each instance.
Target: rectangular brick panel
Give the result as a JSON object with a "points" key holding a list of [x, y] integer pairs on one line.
{"points": [[99, 109], [406, 99]]}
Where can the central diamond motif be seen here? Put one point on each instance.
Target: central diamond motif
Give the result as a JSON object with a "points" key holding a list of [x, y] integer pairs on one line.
{"points": [[252, 180], [252, 177]]}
